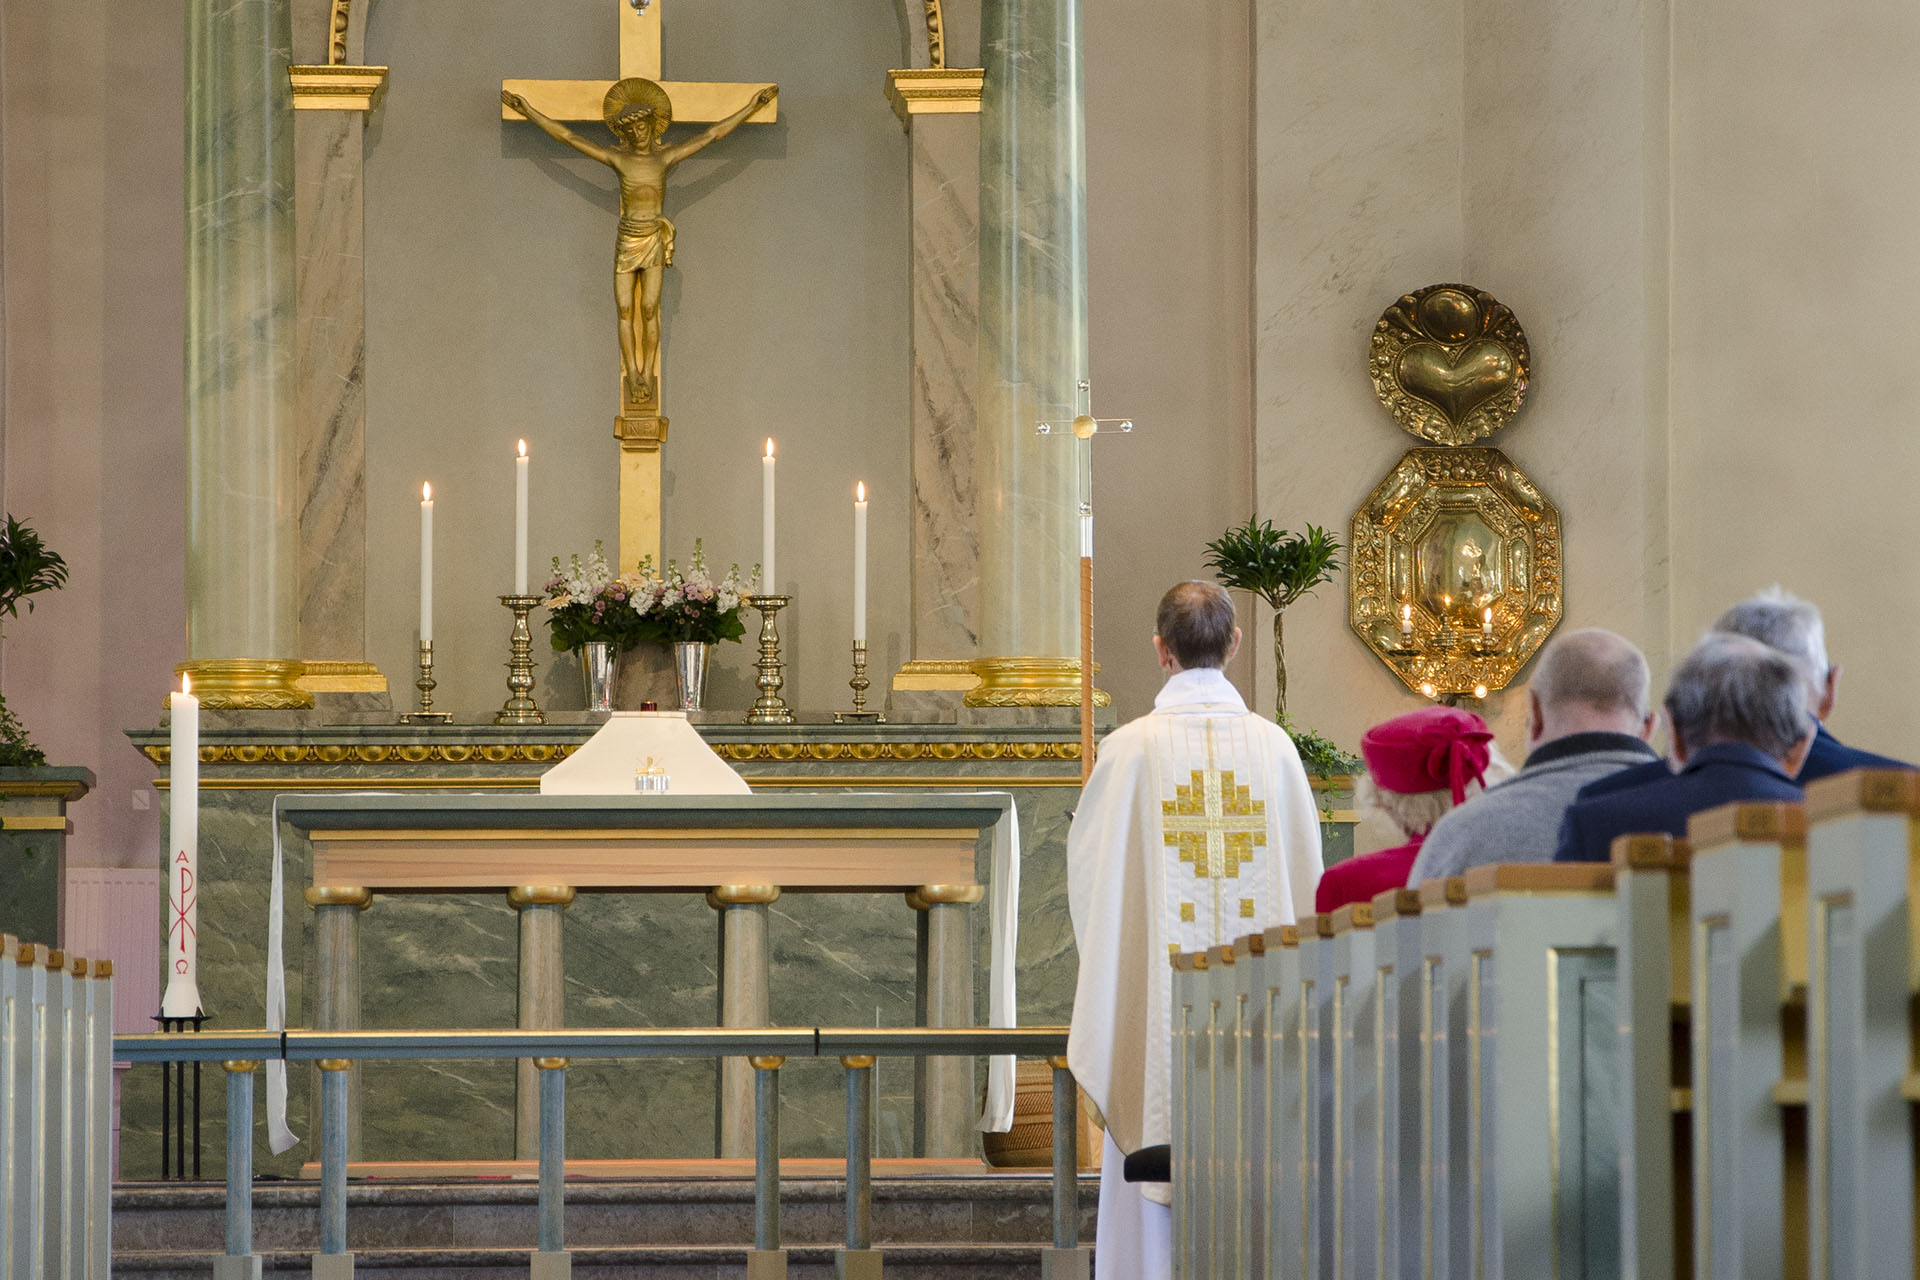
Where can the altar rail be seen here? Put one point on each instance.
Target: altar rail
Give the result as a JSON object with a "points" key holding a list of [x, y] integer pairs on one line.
{"points": [[1698, 1061], [56, 1113], [767, 1049]]}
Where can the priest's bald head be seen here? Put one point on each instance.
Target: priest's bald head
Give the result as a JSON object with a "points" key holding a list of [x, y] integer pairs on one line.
{"points": [[1194, 627]]}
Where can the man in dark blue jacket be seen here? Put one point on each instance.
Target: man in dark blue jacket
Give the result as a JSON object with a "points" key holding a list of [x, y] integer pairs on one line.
{"points": [[1794, 627], [1741, 731]]}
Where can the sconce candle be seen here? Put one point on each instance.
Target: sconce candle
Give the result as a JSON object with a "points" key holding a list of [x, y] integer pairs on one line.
{"points": [[1406, 622], [1486, 623]]}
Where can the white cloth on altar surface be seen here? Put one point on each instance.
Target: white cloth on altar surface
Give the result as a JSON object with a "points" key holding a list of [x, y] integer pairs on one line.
{"points": [[1197, 827], [1003, 887], [605, 764], [1133, 1236]]}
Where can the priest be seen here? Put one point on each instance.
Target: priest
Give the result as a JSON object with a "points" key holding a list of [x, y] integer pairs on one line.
{"points": [[1196, 828]]}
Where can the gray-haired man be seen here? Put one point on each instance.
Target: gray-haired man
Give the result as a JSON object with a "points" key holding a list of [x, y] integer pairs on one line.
{"points": [[1741, 730], [1588, 716]]}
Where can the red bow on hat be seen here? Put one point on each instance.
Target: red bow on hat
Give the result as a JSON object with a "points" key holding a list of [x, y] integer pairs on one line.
{"points": [[1427, 750]]}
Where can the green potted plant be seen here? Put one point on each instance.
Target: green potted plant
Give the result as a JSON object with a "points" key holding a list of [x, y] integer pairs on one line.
{"points": [[27, 568], [1281, 567]]}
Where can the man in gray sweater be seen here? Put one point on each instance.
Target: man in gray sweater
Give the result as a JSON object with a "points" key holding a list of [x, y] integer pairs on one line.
{"points": [[1588, 715]]}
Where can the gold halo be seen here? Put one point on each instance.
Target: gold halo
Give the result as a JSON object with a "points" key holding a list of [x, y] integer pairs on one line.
{"points": [[636, 92]]}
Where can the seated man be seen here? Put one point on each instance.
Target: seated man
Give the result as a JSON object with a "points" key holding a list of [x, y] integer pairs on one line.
{"points": [[1793, 626], [1419, 766], [1740, 732], [1588, 715]]}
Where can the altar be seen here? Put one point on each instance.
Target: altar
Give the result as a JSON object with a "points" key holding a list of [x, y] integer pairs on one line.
{"points": [[651, 958]]}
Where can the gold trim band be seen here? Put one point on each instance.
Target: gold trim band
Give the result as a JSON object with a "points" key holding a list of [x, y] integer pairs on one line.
{"points": [[238, 1066], [554, 752], [336, 88], [552, 1064], [1031, 682], [742, 895], [337, 895], [928, 895], [856, 1061], [541, 895], [766, 1062], [334, 1064], [246, 684]]}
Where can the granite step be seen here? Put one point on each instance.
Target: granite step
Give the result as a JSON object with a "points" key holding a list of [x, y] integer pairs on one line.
{"points": [[933, 1227]]}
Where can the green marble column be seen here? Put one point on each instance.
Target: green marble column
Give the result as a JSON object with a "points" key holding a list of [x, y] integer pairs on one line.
{"points": [[1032, 350], [242, 515]]}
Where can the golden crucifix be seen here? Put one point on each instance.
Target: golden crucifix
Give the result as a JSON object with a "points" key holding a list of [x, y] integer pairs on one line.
{"points": [[637, 109]]}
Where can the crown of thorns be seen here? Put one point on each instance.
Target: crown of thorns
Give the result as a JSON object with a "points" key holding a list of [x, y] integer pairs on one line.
{"points": [[635, 92]]}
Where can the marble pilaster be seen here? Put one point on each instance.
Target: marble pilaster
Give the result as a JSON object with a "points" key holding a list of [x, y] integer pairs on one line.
{"points": [[242, 518], [1033, 331], [945, 159]]}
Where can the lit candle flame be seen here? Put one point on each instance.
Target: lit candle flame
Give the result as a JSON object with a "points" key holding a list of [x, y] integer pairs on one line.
{"points": [[426, 492], [860, 491], [1479, 691], [1427, 689], [523, 448], [769, 446], [1486, 616], [186, 683]]}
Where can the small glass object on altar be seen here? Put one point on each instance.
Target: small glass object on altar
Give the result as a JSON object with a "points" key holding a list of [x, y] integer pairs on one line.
{"points": [[651, 778]]}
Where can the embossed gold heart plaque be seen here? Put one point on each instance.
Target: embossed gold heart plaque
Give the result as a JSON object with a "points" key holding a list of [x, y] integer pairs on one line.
{"points": [[1450, 363]]}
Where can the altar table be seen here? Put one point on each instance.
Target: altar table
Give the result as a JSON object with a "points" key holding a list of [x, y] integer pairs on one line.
{"points": [[743, 852]]}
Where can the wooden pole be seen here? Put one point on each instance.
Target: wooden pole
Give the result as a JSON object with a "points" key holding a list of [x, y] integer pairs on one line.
{"points": [[1086, 668]]}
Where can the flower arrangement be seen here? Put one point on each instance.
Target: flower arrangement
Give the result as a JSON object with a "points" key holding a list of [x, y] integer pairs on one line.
{"points": [[587, 601]]}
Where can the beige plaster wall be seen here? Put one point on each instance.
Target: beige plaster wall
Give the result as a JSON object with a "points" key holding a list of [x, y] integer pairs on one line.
{"points": [[90, 242], [1796, 259], [489, 256]]}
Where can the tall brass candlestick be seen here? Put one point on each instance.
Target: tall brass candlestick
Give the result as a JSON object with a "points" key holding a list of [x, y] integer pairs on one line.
{"points": [[520, 707], [425, 684], [769, 707], [860, 684]]}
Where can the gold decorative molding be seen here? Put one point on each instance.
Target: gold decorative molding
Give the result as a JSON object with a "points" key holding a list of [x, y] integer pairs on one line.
{"points": [[337, 22], [554, 752], [337, 88], [1030, 682], [246, 684], [945, 895], [35, 822], [936, 33], [328, 676], [935, 91], [955, 675], [1450, 363]]}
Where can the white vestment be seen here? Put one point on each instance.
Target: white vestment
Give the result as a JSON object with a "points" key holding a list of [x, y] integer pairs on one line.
{"points": [[1197, 827]]}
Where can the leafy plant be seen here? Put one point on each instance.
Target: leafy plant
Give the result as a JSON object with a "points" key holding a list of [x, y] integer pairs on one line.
{"points": [[27, 568], [1279, 567], [1318, 753]]}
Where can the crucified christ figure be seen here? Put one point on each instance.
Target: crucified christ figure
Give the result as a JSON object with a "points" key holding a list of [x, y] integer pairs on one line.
{"points": [[638, 113]]}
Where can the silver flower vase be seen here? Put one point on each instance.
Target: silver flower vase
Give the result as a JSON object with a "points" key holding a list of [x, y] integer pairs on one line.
{"points": [[599, 673], [690, 672]]}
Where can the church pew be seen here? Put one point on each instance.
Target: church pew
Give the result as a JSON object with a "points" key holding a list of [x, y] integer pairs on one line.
{"points": [[1747, 919], [1253, 991], [1287, 1096], [55, 1114], [1356, 1107], [1445, 1203], [1862, 967], [1189, 1003], [1655, 1127], [1543, 1069], [1222, 1144], [1317, 1109], [1397, 961]]}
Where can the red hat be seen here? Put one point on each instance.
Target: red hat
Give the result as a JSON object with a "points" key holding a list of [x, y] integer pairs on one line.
{"points": [[1432, 749]]}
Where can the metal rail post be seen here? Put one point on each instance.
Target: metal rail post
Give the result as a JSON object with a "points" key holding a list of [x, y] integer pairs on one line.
{"points": [[768, 1261], [859, 1260]]}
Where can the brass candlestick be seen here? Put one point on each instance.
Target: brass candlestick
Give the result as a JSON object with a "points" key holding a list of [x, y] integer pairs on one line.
{"points": [[425, 684], [769, 707], [860, 685], [520, 707]]}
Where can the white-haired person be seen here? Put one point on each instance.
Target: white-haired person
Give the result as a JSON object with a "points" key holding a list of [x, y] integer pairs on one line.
{"points": [[1419, 766]]}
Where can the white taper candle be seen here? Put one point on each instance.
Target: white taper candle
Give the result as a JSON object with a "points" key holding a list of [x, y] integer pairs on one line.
{"points": [[520, 522], [860, 564], [766, 522], [426, 564]]}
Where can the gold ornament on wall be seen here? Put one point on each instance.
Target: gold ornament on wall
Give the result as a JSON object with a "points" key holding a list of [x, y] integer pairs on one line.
{"points": [[1456, 562], [1450, 363]]}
